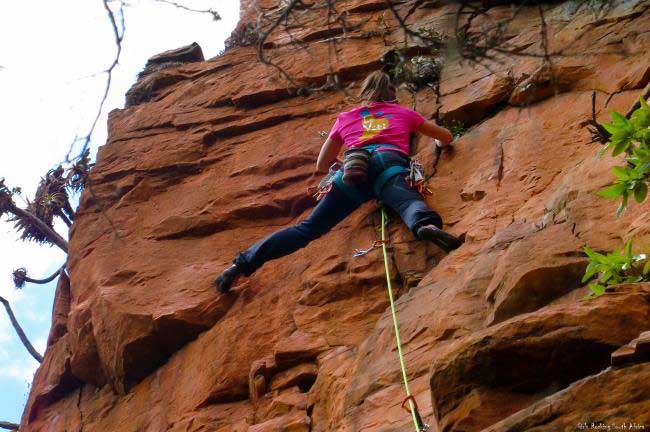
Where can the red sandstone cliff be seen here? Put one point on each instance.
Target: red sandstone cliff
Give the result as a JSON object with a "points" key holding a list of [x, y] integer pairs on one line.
{"points": [[220, 154]]}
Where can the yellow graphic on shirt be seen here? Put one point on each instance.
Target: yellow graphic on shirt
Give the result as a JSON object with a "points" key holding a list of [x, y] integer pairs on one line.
{"points": [[372, 125]]}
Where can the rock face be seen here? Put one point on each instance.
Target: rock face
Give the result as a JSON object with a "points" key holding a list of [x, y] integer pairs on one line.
{"points": [[220, 154]]}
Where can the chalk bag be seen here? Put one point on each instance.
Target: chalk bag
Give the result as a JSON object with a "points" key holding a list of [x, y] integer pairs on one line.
{"points": [[355, 166]]}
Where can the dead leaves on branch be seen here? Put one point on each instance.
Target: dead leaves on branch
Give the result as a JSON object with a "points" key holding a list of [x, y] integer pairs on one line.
{"points": [[20, 277], [35, 222]]}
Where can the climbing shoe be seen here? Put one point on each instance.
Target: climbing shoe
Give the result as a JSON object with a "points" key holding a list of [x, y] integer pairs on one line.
{"points": [[445, 241], [227, 279]]}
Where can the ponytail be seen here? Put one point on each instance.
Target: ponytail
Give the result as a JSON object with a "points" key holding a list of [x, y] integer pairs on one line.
{"points": [[377, 87]]}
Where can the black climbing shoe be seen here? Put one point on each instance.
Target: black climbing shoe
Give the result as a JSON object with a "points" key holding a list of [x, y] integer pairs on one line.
{"points": [[227, 278], [445, 241]]}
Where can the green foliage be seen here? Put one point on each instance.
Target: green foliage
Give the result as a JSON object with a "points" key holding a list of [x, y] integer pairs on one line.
{"points": [[419, 67], [434, 39], [457, 128], [423, 70], [418, 71], [633, 137], [619, 266]]}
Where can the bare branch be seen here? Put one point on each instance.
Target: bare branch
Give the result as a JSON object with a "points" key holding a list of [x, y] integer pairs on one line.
{"points": [[214, 13], [118, 33], [20, 277], [598, 132], [21, 334], [265, 34], [8, 425]]}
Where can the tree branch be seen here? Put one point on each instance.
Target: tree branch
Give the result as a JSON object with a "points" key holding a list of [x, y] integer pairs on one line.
{"points": [[118, 33], [20, 277], [265, 34], [598, 132], [19, 330], [46, 230], [8, 425], [214, 13]]}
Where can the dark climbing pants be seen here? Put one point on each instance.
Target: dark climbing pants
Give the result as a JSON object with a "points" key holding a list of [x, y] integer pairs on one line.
{"points": [[336, 206]]}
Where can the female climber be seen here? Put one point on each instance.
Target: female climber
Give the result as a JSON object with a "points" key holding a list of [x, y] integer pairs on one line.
{"points": [[376, 135]]}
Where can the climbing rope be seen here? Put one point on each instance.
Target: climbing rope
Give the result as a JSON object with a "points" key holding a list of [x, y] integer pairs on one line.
{"points": [[417, 420]]}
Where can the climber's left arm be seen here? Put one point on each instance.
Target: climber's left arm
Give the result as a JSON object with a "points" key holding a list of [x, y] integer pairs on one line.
{"points": [[328, 154]]}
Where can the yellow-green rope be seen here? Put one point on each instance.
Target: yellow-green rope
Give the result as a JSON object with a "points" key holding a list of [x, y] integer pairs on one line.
{"points": [[392, 309]]}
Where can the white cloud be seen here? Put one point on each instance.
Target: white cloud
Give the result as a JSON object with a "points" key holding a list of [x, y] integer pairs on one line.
{"points": [[19, 371]]}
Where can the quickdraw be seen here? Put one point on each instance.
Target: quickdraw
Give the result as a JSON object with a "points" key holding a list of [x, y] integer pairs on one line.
{"points": [[416, 179], [416, 412], [325, 185], [319, 192], [361, 252]]}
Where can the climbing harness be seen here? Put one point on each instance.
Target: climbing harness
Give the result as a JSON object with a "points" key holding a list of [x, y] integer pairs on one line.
{"points": [[420, 426], [336, 173], [354, 193]]}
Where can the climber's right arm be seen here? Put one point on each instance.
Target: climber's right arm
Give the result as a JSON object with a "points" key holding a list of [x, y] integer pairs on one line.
{"points": [[328, 154], [431, 129]]}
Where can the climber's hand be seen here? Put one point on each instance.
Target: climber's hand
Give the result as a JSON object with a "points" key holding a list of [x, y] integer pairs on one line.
{"points": [[449, 145], [442, 145], [431, 129]]}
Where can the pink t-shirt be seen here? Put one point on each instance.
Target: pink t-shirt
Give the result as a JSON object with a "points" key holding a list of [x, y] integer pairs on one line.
{"points": [[377, 123]]}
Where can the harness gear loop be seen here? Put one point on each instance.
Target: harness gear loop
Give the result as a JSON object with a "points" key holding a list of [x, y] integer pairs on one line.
{"points": [[417, 420]]}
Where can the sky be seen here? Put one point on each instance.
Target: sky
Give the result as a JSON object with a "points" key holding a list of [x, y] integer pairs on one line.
{"points": [[52, 56]]}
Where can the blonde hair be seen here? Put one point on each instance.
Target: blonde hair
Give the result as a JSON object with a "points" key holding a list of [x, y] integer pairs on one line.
{"points": [[377, 87]]}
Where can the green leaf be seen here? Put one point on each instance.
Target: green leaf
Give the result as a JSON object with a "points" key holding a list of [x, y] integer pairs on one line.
{"points": [[618, 119], [613, 191], [644, 168], [610, 128], [590, 271], [621, 173], [597, 289], [628, 250], [640, 119], [588, 297], [622, 144], [595, 256], [642, 101], [640, 192], [607, 275]]}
